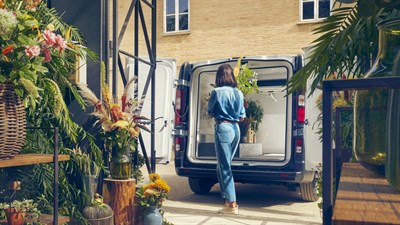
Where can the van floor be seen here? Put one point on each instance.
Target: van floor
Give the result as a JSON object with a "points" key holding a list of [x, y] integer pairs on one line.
{"points": [[266, 156]]}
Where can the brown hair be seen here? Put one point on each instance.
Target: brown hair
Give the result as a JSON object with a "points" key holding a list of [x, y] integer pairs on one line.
{"points": [[225, 76]]}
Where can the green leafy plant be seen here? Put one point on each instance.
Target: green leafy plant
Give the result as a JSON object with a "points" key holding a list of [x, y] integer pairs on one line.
{"points": [[27, 206], [51, 85], [246, 78], [255, 112]]}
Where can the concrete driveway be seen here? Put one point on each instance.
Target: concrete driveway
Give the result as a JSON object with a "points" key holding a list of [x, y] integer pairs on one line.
{"points": [[259, 204]]}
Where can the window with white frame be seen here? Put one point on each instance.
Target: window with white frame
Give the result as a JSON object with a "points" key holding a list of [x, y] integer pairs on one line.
{"points": [[314, 9], [176, 16]]}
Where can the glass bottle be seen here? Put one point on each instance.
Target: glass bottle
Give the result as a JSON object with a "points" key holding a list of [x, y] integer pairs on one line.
{"points": [[371, 106]]}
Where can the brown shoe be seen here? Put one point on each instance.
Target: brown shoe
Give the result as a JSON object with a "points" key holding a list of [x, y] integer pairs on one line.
{"points": [[229, 210]]}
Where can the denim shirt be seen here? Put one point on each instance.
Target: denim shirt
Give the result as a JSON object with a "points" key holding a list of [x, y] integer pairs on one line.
{"points": [[226, 103]]}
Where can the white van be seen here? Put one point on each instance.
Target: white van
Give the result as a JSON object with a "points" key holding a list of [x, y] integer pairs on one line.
{"points": [[288, 150]]}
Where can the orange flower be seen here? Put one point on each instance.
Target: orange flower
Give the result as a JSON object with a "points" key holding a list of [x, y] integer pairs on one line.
{"points": [[7, 49], [153, 177]]}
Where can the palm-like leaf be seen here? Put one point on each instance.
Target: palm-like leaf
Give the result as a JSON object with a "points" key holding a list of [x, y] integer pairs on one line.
{"points": [[347, 45]]}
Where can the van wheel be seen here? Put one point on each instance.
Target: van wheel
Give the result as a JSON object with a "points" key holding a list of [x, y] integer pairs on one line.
{"points": [[308, 191], [200, 186]]}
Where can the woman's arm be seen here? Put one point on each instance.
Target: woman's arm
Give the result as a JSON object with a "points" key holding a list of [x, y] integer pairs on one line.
{"points": [[211, 104]]}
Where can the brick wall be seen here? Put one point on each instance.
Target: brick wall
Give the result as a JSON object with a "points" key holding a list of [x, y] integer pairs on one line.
{"points": [[227, 28]]}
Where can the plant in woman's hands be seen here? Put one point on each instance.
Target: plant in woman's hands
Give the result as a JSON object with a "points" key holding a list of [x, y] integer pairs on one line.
{"points": [[246, 78]]}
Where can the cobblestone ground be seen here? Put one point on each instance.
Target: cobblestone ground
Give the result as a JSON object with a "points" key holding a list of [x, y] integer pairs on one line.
{"points": [[259, 204]]}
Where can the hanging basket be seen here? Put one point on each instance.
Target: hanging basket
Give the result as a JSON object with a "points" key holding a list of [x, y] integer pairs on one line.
{"points": [[12, 122]]}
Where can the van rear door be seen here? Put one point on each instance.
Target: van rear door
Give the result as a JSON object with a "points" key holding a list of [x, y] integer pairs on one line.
{"points": [[165, 93]]}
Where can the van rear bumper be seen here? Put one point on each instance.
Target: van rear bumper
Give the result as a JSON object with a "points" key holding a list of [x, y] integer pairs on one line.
{"points": [[246, 176]]}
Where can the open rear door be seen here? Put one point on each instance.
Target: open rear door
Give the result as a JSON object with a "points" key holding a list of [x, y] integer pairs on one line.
{"points": [[165, 93]]}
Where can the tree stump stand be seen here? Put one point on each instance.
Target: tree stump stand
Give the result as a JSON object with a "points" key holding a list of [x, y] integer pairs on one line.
{"points": [[120, 195]]}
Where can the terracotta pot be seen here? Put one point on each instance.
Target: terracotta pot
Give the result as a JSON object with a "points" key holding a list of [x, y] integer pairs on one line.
{"points": [[15, 217]]}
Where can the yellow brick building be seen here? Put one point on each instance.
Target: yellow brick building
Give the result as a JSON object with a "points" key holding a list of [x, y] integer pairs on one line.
{"points": [[230, 28]]}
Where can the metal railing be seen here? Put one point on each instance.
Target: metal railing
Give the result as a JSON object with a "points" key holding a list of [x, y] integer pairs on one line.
{"points": [[328, 156]]}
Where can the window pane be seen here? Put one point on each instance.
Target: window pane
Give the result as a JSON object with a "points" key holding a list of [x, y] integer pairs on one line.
{"points": [[183, 22], [170, 6], [308, 10], [183, 6], [170, 23], [323, 8]]}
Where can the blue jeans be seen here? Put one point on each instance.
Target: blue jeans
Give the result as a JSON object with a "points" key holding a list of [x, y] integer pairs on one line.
{"points": [[226, 143]]}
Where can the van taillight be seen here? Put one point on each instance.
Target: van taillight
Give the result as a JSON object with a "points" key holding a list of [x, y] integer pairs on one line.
{"points": [[299, 146], [178, 105], [177, 144], [178, 99], [301, 111]]}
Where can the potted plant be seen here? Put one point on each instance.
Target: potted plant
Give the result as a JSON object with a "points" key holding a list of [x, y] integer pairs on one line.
{"points": [[151, 197], [17, 212], [254, 111], [246, 83]]}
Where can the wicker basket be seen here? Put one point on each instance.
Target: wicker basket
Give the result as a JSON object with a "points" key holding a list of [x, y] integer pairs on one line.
{"points": [[12, 122]]}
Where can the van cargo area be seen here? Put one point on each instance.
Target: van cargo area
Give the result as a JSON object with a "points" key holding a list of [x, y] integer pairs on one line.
{"points": [[271, 134], [281, 152]]}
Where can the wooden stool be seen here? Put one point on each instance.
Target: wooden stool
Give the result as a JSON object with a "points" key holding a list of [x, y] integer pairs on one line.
{"points": [[120, 195]]}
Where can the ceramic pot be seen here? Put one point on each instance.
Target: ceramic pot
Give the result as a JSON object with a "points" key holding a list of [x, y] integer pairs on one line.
{"points": [[15, 217], [152, 216]]}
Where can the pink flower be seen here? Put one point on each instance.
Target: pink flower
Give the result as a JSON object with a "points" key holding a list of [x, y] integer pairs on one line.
{"points": [[32, 51], [49, 37], [60, 43], [46, 53]]}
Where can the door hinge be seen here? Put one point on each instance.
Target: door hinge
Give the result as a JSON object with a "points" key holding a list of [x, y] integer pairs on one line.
{"points": [[179, 132], [181, 82]]}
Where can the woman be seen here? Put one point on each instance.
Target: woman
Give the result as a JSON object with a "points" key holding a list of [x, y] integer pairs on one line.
{"points": [[226, 106]]}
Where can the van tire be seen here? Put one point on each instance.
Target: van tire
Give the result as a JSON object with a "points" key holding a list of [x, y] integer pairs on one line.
{"points": [[200, 186], [308, 191]]}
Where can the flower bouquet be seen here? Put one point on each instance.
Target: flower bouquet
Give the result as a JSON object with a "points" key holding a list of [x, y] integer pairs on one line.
{"points": [[153, 193], [37, 48], [120, 123], [37, 54]]}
